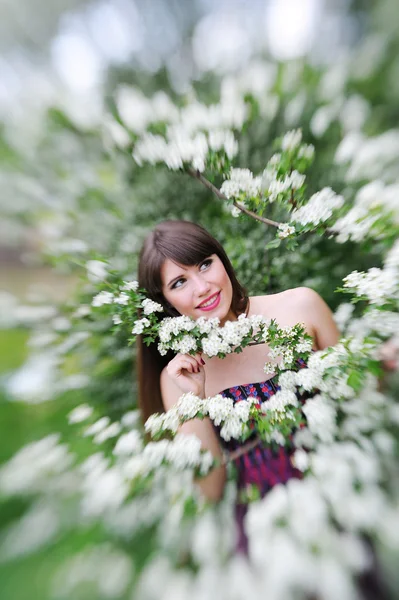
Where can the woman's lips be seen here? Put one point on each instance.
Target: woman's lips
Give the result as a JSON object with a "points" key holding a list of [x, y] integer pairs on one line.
{"points": [[214, 304]]}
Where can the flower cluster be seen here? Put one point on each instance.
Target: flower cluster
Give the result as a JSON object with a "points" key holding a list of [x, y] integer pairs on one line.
{"points": [[377, 286], [373, 213], [180, 148], [319, 208], [285, 230], [281, 180], [241, 185], [131, 303], [195, 135]]}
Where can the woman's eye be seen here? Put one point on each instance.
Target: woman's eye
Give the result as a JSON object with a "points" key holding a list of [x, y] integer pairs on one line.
{"points": [[206, 264], [177, 283]]}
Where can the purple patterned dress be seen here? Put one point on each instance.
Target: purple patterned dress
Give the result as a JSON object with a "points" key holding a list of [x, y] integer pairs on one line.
{"points": [[260, 467]]}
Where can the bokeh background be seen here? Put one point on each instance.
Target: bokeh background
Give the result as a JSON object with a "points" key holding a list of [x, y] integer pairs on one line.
{"points": [[71, 193]]}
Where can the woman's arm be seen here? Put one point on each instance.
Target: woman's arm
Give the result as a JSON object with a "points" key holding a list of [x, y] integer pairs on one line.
{"points": [[212, 485]]}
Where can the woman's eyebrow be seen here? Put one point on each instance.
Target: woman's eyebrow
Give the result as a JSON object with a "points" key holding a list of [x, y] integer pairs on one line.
{"points": [[175, 279]]}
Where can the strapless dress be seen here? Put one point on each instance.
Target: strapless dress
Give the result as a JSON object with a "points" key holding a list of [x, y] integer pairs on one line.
{"points": [[258, 466]]}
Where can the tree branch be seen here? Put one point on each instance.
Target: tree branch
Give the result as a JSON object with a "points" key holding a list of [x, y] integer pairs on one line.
{"points": [[218, 193]]}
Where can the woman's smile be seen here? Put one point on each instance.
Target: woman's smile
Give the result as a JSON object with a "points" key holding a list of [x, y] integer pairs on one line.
{"points": [[211, 302]]}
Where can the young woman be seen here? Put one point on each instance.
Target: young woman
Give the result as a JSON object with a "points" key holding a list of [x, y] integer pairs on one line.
{"points": [[186, 270]]}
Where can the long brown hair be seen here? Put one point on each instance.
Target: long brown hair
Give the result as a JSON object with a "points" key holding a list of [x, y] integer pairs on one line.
{"points": [[187, 244]]}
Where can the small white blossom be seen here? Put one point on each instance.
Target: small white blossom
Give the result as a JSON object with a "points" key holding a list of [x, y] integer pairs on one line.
{"points": [[279, 401], [82, 311], [241, 181], [308, 378], [235, 211], [98, 426], [80, 413], [219, 408], [301, 459], [111, 431], [285, 230], [319, 208], [306, 151], [186, 344], [291, 140], [378, 285], [116, 319], [101, 298], [131, 418], [189, 405], [232, 427], [149, 306], [320, 415], [123, 299], [140, 325], [287, 381], [96, 270], [130, 286], [128, 443]]}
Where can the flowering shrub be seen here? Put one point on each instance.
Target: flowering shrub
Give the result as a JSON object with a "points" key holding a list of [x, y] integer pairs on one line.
{"points": [[329, 193]]}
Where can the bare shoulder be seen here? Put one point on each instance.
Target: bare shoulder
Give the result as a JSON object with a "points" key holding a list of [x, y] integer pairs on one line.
{"points": [[300, 305], [300, 297]]}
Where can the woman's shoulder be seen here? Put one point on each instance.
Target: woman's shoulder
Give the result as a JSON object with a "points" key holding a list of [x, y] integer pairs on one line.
{"points": [[302, 297]]}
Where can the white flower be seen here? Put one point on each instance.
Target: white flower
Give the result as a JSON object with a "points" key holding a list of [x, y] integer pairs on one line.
{"points": [[111, 431], [279, 401], [116, 319], [97, 426], [296, 180], [241, 181], [189, 405], [131, 418], [319, 208], [96, 270], [291, 140], [308, 378], [378, 285], [287, 381], [301, 459], [235, 211], [306, 151], [153, 424], [128, 443], [232, 427], [343, 314], [105, 492], [140, 325], [101, 298], [320, 415], [130, 285], [285, 230], [304, 346], [123, 299], [219, 408], [186, 344], [80, 413], [82, 311], [149, 306]]}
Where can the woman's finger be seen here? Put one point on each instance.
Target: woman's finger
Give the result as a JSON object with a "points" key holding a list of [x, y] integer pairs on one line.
{"points": [[183, 362], [199, 359]]}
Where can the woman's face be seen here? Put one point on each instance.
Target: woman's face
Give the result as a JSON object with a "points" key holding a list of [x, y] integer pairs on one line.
{"points": [[202, 290]]}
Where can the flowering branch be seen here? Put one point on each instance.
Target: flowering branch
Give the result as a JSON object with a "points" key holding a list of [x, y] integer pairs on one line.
{"points": [[197, 175]]}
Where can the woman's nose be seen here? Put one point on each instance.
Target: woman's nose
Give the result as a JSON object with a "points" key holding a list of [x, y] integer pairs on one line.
{"points": [[202, 286]]}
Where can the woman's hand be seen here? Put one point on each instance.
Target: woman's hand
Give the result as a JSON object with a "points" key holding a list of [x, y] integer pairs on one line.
{"points": [[188, 373]]}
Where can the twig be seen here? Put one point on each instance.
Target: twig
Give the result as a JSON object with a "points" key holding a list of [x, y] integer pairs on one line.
{"points": [[221, 196]]}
